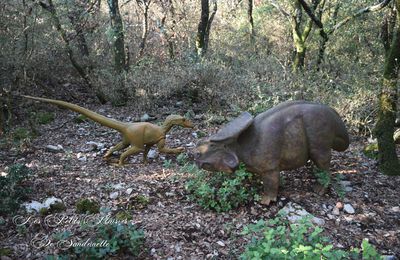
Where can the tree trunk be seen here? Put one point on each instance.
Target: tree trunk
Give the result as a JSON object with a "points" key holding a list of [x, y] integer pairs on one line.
{"points": [[145, 24], [202, 28], [118, 41], [53, 13], [384, 129], [76, 22], [251, 21], [209, 23]]}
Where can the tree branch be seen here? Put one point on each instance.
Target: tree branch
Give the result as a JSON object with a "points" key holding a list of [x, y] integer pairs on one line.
{"points": [[372, 8]]}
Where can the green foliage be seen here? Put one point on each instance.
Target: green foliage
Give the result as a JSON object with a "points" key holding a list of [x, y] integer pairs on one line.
{"points": [[122, 238], [5, 251], [139, 201], [182, 158], [123, 215], [338, 187], [167, 164], [219, 191], [371, 151], [114, 239], [54, 208], [278, 239], [369, 252], [87, 206], [21, 133], [323, 178], [80, 119], [43, 117], [12, 191]]}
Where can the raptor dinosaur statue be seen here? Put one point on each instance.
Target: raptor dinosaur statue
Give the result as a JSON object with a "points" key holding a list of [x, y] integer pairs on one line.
{"points": [[138, 137]]}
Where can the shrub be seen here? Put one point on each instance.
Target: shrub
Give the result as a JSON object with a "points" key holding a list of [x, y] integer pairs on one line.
{"points": [[219, 191], [12, 191], [114, 239], [278, 239], [44, 117], [87, 206], [324, 179]]}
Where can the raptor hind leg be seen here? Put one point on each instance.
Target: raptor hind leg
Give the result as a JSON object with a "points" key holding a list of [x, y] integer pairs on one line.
{"points": [[117, 147], [146, 151], [132, 150]]}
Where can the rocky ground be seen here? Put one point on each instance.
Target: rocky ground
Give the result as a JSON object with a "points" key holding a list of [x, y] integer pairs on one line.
{"points": [[174, 227]]}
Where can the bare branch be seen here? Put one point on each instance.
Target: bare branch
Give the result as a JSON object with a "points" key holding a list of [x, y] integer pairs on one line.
{"points": [[280, 9], [372, 8]]}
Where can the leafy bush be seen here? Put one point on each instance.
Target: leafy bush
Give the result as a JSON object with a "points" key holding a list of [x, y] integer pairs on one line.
{"points": [[87, 206], [21, 133], [220, 191], [114, 239], [12, 192], [278, 239], [44, 117], [324, 179]]}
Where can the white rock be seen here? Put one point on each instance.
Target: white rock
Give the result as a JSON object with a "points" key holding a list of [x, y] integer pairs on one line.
{"points": [[114, 195], [33, 206], [191, 144], [345, 183], [145, 118], [348, 189], [318, 221], [336, 211], [50, 201], [348, 209], [194, 134], [96, 145], [118, 186], [129, 191], [220, 243], [152, 154], [81, 157], [54, 148], [295, 212], [395, 209]]}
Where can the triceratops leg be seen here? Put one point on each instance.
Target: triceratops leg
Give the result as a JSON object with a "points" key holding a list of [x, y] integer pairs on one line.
{"points": [[270, 181]]}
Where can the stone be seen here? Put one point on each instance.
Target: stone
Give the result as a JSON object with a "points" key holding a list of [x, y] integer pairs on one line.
{"points": [[152, 154], [339, 205], [145, 118], [395, 209], [33, 206], [114, 195], [220, 243], [81, 157], [129, 191], [93, 146], [118, 186], [336, 211], [50, 201], [54, 148], [295, 212], [348, 209]]}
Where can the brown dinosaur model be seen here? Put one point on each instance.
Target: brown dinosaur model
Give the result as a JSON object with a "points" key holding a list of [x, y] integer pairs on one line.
{"points": [[139, 136], [282, 138]]}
